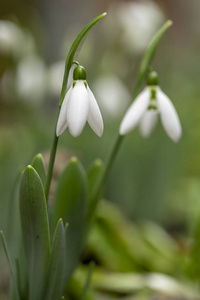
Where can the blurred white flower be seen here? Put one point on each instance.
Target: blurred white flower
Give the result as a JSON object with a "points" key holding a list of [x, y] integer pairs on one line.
{"points": [[55, 77], [113, 95], [78, 107], [146, 108], [138, 22], [31, 79], [11, 37], [15, 40]]}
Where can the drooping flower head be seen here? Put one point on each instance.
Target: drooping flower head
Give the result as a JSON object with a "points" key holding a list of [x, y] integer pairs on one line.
{"points": [[79, 106], [147, 107]]}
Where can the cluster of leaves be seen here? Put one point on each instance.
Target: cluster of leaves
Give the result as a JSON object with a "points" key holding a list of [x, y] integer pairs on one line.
{"points": [[132, 260], [52, 248]]}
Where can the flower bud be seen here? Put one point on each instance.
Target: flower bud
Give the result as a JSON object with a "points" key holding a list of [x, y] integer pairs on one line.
{"points": [[79, 73], [152, 78]]}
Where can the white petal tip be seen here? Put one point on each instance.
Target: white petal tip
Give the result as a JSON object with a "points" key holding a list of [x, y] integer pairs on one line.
{"points": [[100, 134], [176, 139], [58, 132], [59, 129], [98, 129], [121, 132], [124, 129], [75, 133]]}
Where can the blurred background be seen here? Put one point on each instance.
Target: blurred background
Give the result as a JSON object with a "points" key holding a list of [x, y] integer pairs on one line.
{"points": [[152, 179]]}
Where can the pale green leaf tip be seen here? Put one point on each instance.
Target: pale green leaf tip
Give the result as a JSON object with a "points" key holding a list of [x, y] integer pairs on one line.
{"points": [[39, 155], [29, 168], [1, 232], [169, 22], [60, 220], [74, 159], [98, 162]]}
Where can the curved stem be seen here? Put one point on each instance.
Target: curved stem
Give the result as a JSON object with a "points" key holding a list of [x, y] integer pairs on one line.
{"points": [[112, 155], [68, 64], [102, 177]]}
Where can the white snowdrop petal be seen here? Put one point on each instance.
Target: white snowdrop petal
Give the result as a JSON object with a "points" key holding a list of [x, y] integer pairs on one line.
{"points": [[169, 117], [135, 112], [77, 108], [148, 122], [62, 123], [94, 117]]}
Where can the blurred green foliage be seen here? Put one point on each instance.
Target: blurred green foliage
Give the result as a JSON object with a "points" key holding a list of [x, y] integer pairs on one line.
{"points": [[153, 180]]}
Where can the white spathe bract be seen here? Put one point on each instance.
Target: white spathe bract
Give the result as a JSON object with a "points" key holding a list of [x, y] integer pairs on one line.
{"points": [[78, 107], [145, 111]]}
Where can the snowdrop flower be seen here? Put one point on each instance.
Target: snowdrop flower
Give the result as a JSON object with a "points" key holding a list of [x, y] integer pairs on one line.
{"points": [[147, 107], [78, 107]]}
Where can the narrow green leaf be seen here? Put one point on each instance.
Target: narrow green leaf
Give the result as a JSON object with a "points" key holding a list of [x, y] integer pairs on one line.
{"points": [[71, 205], [193, 268], [94, 173], [149, 55], [21, 280], [54, 285], [14, 215], [14, 281], [38, 165], [87, 282], [15, 240], [72, 51], [35, 229]]}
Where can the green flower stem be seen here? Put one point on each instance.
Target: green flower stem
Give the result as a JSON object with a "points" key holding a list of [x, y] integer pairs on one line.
{"points": [[51, 164], [94, 196], [112, 155], [149, 55]]}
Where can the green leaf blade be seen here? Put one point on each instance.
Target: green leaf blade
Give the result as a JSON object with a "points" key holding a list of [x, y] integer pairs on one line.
{"points": [[54, 285], [94, 174], [70, 204], [35, 229], [38, 165], [12, 274]]}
